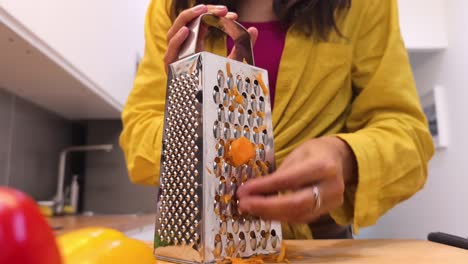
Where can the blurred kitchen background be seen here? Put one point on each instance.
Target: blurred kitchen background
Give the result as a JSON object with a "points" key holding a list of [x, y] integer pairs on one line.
{"points": [[66, 68]]}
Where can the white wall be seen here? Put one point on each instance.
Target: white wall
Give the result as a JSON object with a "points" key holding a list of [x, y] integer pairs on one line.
{"points": [[443, 204], [102, 39]]}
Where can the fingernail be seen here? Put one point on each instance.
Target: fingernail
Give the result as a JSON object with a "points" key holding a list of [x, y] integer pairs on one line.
{"points": [[231, 14], [184, 30], [220, 7], [199, 8]]}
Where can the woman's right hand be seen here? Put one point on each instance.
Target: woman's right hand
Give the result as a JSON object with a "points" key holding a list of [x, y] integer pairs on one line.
{"points": [[179, 31]]}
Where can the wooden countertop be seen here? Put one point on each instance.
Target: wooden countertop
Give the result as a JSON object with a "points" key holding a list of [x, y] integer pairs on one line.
{"points": [[123, 223], [371, 252], [300, 251]]}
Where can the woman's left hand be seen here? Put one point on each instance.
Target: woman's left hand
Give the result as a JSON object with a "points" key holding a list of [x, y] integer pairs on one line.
{"points": [[320, 168]]}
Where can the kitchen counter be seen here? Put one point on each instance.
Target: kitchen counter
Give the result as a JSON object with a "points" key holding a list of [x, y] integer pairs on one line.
{"points": [[299, 251], [371, 252], [123, 223]]}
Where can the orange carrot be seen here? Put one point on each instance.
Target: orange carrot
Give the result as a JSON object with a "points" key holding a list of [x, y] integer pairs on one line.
{"points": [[262, 84], [239, 99], [282, 254], [227, 198], [241, 151], [228, 69]]}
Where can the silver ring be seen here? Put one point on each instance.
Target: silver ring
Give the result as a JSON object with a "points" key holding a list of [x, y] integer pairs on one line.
{"points": [[318, 199]]}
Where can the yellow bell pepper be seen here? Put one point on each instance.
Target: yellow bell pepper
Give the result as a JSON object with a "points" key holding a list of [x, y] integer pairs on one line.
{"points": [[103, 246]]}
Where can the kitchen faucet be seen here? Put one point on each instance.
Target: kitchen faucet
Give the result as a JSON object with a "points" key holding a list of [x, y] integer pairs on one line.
{"points": [[59, 200]]}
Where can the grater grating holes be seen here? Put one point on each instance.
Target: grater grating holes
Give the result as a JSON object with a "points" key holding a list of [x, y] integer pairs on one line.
{"points": [[181, 124]]}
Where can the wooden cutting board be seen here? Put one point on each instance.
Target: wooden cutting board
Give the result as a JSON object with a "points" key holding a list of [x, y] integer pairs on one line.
{"points": [[371, 252]]}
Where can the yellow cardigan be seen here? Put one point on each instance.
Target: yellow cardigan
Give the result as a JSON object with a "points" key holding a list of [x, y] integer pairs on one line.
{"points": [[359, 88]]}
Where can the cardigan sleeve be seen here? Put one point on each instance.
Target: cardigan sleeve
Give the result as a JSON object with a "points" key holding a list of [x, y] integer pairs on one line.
{"points": [[143, 114], [386, 129]]}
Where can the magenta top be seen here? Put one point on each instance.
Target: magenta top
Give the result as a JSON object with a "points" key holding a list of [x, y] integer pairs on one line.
{"points": [[267, 50]]}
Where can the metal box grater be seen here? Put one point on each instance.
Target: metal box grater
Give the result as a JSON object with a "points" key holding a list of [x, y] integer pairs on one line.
{"points": [[210, 101]]}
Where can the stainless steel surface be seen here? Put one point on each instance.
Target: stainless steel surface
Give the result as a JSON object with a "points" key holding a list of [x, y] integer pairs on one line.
{"points": [[199, 30], [197, 209], [210, 102]]}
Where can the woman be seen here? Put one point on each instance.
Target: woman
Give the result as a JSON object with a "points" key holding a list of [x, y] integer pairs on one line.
{"points": [[350, 136]]}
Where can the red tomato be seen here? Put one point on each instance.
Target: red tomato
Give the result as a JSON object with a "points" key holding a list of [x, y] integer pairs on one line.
{"points": [[25, 236]]}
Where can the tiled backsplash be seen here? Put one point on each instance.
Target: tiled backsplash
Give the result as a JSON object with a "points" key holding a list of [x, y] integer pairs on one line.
{"points": [[30, 142], [6, 102], [107, 187]]}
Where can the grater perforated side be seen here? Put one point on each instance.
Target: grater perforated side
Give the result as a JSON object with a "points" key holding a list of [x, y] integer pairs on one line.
{"points": [[180, 199], [210, 102]]}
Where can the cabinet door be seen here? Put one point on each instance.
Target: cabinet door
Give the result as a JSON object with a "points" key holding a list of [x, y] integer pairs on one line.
{"points": [[102, 39], [423, 24]]}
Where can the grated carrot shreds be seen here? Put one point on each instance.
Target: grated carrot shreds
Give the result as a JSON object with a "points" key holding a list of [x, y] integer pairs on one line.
{"points": [[282, 254], [281, 258], [235, 91], [244, 61], [227, 198], [239, 99], [262, 84], [252, 260], [228, 69]]}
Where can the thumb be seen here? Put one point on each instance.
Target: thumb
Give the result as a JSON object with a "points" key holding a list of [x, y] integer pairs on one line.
{"points": [[253, 34]]}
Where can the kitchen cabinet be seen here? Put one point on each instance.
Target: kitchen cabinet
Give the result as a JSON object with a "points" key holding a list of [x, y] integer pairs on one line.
{"points": [[423, 24], [75, 58]]}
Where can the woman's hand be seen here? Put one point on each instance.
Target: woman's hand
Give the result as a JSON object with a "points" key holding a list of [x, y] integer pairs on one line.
{"points": [[325, 165], [179, 32]]}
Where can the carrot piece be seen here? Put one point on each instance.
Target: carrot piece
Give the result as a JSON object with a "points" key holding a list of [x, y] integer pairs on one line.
{"points": [[282, 254], [241, 151], [264, 168], [262, 84], [228, 69], [239, 99], [227, 198]]}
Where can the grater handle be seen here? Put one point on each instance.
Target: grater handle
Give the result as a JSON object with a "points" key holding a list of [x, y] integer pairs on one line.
{"points": [[199, 28]]}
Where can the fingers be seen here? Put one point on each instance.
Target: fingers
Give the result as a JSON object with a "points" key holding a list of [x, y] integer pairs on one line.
{"points": [[253, 34], [190, 14], [174, 45], [184, 18], [292, 178], [297, 207], [178, 32], [280, 208], [232, 15]]}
